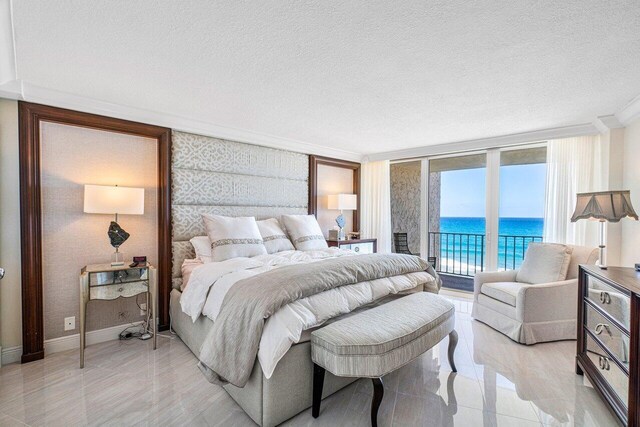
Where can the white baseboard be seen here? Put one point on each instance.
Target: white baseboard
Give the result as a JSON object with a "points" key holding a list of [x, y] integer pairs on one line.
{"points": [[11, 355], [70, 342]]}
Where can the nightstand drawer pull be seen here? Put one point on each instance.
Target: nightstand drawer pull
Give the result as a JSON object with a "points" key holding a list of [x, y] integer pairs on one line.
{"points": [[357, 249], [605, 298], [602, 327]]}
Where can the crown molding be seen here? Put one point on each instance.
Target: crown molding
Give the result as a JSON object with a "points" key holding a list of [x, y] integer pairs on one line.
{"points": [[485, 143], [11, 90], [630, 112], [28, 92], [605, 123]]}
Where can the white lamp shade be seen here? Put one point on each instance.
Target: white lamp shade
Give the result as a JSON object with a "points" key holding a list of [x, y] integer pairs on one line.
{"points": [[106, 199], [343, 202]]}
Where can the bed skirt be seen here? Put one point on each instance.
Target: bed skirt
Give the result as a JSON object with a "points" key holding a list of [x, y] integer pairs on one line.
{"points": [[268, 401]]}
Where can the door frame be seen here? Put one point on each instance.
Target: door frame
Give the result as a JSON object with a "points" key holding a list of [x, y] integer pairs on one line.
{"points": [[492, 197], [30, 117]]}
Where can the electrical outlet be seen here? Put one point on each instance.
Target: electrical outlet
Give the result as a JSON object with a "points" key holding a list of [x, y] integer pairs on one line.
{"points": [[69, 323], [143, 309]]}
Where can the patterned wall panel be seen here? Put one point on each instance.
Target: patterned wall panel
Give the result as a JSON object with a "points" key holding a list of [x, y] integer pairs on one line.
{"points": [[216, 176], [187, 219], [217, 155], [196, 187]]}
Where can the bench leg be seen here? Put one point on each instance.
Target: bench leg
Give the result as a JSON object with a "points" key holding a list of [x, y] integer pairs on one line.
{"points": [[378, 394], [453, 342], [318, 383]]}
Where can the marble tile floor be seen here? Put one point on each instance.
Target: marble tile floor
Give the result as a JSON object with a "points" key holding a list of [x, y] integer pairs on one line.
{"points": [[499, 383]]}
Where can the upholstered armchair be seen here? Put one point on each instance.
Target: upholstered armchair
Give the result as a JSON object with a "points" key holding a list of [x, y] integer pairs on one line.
{"points": [[531, 313]]}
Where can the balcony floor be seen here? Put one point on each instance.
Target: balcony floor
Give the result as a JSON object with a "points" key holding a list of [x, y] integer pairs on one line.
{"points": [[460, 283]]}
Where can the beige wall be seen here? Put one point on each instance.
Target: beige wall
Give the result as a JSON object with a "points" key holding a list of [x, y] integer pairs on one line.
{"points": [[71, 157], [630, 253], [333, 180], [10, 293]]}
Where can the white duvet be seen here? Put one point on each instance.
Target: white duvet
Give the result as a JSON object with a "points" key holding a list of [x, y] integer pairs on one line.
{"points": [[210, 282]]}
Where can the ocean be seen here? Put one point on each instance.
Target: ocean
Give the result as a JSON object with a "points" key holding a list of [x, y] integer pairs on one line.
{"points": [[455, 257]]}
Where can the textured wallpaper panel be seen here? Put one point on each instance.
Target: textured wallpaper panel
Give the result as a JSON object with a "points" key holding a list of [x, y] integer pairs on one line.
{"points": [[199, 152], [196, 187], [71, 157]]}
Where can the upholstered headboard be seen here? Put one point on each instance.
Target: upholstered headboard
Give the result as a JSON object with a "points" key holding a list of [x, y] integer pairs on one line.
{"points": [[216, 176]]}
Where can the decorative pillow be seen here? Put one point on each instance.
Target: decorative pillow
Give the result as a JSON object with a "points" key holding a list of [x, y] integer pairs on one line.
{"points": [[233, 237], [545, 263], [202, 246], [274, 237], [305, 232]]}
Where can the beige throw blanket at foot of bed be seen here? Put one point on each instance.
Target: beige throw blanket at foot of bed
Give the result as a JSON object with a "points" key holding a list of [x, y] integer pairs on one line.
{"points": [[229, 351]]}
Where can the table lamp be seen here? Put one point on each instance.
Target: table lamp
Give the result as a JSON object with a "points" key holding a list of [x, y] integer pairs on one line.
{"points": [[604, 206], [342, 202], [105, 199]]}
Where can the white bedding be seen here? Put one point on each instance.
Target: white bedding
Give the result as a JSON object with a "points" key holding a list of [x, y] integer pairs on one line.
{"points": [[209, 283]]}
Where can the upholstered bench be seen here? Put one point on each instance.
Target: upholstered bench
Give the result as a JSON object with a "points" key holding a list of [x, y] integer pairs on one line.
{"points": [[376, 342]]}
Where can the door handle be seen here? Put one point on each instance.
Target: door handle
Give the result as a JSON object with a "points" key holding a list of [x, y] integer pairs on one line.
{"points": [[1, 273]]}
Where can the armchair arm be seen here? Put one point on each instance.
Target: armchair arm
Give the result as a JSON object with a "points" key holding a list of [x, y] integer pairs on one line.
{"points": [[548, 301], [492, 277]]}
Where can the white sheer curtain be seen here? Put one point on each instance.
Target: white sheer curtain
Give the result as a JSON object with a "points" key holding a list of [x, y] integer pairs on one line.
{"points": [[375, 207], [573, 166]]}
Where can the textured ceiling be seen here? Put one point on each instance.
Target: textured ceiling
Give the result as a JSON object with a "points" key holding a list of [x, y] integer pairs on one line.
{"points": [[367, 76]]}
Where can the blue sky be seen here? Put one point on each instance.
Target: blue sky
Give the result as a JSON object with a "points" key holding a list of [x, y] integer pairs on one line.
{"points": [[522, 192]]}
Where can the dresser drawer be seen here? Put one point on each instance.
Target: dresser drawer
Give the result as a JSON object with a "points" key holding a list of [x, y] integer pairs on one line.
{"points": [[109, 292], [609, 299], [616, 341], [607, 368], [361, 248]]}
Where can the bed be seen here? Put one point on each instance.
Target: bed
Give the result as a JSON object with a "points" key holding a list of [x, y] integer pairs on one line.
{"points": [[213, 176]]}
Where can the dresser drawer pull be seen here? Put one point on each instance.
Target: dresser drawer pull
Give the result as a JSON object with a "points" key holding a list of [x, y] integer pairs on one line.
{"points": [[604, 363], [120, 289], [357, 249], [602, 327], [605, 298]]}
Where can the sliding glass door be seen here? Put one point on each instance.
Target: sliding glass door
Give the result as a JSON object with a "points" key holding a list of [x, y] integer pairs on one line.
{"points": [[483, 210], [457, 217], [523, 175]]}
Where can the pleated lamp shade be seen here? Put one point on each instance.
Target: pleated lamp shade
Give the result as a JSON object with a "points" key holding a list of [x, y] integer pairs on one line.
{"points": [[609, 206]]}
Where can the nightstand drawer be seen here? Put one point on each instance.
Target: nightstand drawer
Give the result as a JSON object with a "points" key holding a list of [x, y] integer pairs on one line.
{"points": [[109, 292], [361, 248], [119, 276], [609, 299]]}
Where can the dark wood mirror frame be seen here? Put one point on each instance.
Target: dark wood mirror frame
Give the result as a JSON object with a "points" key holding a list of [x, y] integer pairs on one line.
{"points": [[314, 162], [30, 116]]}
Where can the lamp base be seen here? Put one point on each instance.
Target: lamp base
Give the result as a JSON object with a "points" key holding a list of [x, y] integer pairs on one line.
{"points": [[117, 259]]}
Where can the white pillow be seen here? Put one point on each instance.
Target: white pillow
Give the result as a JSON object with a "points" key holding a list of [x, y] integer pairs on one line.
{"points": [[305, 232], [233, 237], [545, 263], [274, 237], [202, 246]]}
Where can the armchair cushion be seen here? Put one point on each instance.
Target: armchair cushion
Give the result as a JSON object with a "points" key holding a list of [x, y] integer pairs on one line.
{"points": [[545, 263], [506, 292]]}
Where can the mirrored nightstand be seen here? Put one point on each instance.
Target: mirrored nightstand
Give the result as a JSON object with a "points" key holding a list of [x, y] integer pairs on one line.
{"points": [[106, 282]]}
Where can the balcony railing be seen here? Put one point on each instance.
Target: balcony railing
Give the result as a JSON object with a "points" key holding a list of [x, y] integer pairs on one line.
{"points": [[462, 254]]}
